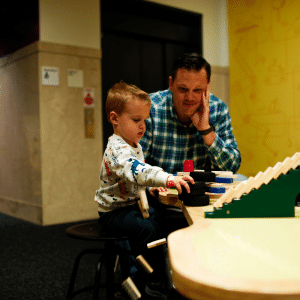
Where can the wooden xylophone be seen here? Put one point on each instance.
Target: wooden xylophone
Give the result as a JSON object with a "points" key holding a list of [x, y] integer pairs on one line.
{"points": [[222, 182], [269, 194], [242, 249]]}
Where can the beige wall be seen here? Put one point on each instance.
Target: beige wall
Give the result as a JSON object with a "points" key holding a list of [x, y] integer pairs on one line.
{"points": [[49, 169], [70, 22], [219, 85], [70, 162], [20, 155]]}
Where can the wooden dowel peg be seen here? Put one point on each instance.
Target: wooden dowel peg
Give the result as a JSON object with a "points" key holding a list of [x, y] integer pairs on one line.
{"points": [[143, 203], [131, 289], [157, 243], [144, 212], [142, 261]]}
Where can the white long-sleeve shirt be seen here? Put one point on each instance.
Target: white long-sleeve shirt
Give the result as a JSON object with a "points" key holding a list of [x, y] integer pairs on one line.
{"points": [[123, 172]]}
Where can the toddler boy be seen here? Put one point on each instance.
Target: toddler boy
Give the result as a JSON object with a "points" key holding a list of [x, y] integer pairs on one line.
{"points": [[124, 172]]}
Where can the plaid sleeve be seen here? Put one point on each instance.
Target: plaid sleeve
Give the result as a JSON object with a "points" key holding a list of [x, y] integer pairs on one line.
{"points": [[224, 151], [146, 140]]}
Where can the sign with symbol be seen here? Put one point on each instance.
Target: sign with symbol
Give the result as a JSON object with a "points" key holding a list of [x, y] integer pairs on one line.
{"points": [[89, 97], [50, 76], [75, 78]]}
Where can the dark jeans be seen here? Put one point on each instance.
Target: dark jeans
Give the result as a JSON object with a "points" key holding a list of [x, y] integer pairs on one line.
{"points": [[129, 221]]}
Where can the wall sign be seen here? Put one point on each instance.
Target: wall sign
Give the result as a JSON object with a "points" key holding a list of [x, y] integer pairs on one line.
{"points": [[50, 76], [89, 123], [75, 78], [88, 97], [89, 120]]}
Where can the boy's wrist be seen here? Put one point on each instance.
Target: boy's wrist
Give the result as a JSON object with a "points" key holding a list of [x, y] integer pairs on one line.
{"points": [[170, 181]]}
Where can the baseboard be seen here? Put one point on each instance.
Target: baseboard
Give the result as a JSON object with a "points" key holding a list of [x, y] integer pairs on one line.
{"points": [[21, 210], [49, 215]]}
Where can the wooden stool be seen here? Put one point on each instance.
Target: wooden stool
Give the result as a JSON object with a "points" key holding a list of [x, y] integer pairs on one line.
{"points": [[94, 232]]}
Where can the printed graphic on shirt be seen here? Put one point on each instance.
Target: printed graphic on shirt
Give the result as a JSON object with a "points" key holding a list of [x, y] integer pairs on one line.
{"points": [[107, 168], [134, 167], [123, 190]]}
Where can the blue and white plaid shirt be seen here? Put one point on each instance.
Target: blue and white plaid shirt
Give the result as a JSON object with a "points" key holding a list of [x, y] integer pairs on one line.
{"points": [[167, 143]]}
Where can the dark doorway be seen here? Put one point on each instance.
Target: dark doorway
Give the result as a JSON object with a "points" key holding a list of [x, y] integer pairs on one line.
{"points": [[140, 41]]}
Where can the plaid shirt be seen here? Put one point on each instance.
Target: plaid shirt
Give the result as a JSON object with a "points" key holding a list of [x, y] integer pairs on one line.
{"points": [[167, 143]]}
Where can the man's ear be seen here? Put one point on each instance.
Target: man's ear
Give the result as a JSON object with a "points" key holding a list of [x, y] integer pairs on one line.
{"points": [[171, 83], [113, 117]]}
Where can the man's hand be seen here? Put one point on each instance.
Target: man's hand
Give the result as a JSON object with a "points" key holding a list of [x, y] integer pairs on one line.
{"points": [[200, 118]]}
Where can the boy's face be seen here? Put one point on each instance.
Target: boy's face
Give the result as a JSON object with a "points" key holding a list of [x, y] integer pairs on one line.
{"points": [[130, 125]]}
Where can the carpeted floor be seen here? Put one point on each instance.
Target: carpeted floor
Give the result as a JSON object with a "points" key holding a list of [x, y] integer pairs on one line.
{"points": [[36, 261]]}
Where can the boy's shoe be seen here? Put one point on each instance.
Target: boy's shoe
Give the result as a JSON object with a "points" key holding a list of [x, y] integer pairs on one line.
{"points": [[156, 290], [121, 295]]}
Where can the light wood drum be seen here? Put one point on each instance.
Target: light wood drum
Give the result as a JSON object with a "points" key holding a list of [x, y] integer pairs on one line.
{"points": [[237, 259]]}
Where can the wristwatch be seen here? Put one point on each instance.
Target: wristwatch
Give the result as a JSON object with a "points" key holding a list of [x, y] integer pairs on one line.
{"points": [[207, 131]]}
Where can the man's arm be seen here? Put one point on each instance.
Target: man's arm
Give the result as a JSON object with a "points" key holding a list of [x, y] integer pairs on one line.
{"points": [[224, 151], [221, 143], [200, 118]]}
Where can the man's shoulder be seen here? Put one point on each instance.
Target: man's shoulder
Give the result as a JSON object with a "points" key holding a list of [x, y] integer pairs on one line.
{"points": [[160, 97], [214, 98], [217, 102]]}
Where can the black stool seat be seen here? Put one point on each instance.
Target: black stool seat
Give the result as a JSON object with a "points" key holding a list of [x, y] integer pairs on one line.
{"points": [[94, 232]]}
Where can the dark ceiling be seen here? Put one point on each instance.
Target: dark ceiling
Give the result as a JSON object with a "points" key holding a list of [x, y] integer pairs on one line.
{"points": [[19, 23]]}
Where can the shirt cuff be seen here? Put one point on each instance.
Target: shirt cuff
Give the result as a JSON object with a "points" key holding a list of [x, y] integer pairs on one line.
{"points": [[217, 146], [161, 178]]}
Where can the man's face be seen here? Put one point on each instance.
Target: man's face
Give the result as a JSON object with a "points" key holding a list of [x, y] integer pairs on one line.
{"points": [[187, 89]]}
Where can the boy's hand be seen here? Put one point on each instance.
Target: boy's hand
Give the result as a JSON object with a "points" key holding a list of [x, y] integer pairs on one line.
{"points": [[178, 181], [156, 190]]}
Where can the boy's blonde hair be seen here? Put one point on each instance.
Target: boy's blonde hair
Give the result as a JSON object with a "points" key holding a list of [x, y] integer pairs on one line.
{"points": [[120, 94]]}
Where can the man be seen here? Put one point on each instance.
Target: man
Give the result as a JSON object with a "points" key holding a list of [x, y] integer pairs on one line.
{"points": [[188, 122]]}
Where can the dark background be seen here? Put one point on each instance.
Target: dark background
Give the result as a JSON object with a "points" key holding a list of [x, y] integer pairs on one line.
{"points": [[140, 40]]}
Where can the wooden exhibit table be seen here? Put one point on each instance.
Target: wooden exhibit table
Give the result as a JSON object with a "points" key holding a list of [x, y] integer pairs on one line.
{"points": [[238, 258]]}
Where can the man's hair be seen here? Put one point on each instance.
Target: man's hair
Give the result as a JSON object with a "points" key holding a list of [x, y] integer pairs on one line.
{"points": [[120, 94], [191, 62]]}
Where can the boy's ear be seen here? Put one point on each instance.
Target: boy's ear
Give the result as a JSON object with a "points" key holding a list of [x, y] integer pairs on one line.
{"points": [[113, 117]]}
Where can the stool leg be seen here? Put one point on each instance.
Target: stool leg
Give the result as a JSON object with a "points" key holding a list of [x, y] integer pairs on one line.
{"points": [[71, 293], [110, 254], [97, 277], [74, 273]]}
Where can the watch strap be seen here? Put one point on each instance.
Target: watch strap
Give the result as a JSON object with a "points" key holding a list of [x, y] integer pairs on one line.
{"points": [[207, 131]]}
